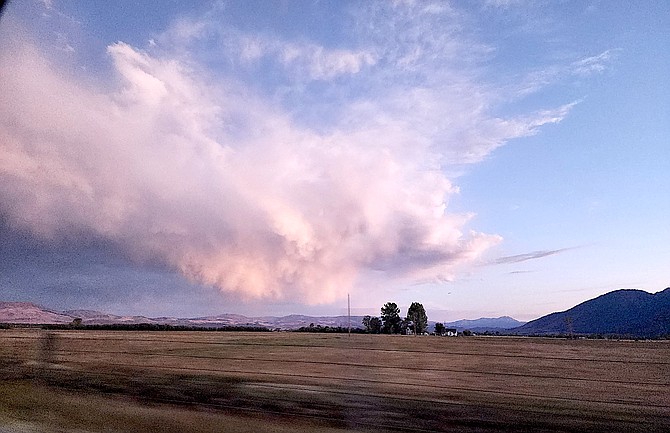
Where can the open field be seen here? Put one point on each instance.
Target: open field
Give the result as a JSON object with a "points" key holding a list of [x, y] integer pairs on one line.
{"points": [[203, 381]]}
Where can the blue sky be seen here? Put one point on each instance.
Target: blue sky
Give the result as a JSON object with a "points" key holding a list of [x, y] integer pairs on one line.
{"points": [[484, 158]]}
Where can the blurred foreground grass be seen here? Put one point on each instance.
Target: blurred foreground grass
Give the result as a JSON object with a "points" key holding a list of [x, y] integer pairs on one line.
{"points": [[30, 407]]}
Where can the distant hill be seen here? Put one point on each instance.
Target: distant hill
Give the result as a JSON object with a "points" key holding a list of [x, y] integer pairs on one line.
{"points": [[293, 321], [27, 312], [485, 324], [100, 318], [622, 312]]}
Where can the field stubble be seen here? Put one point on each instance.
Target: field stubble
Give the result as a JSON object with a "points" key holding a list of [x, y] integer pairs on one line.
{"points": [[330, 382]]}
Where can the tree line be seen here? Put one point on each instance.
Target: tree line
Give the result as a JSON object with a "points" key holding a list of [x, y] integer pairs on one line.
{"points": [[149, 327], [329, 329], [390, 322]]}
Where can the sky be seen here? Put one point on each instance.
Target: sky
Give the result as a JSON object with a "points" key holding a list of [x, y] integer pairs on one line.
{"points": [[484, 158]]}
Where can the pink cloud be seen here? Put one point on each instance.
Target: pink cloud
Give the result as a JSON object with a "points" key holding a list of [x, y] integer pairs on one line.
{"points": [[176, 170]]}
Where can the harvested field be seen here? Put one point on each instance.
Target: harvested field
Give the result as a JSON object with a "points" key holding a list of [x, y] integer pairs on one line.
{"points": [[149, 381]]}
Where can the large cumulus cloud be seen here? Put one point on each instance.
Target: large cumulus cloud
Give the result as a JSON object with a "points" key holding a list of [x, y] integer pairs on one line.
{"points": [[211, 179]]}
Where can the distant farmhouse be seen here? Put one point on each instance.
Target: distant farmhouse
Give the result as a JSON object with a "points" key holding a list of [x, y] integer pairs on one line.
{"points": [[451, 332]]}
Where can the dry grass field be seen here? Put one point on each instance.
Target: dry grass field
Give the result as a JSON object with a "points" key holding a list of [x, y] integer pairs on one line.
{"points": [[90, 381]]}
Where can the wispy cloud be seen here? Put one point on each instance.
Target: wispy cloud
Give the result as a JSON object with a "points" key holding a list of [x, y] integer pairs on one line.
{"points": [[305, 59], [582, 67], [299, 59], [518, 258], [594, 64], [504, 3]]}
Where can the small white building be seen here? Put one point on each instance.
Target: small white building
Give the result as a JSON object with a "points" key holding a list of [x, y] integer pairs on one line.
{"points": [[451, 332]]}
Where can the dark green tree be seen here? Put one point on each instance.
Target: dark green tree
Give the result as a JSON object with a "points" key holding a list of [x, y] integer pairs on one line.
{"points": [[417, 315], [391, 318], [366, 322], [375, 325], [439, 328]]}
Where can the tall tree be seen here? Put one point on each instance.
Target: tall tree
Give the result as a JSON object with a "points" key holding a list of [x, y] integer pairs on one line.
{"points": [[439, 328], [391, 318], [417, 315]]}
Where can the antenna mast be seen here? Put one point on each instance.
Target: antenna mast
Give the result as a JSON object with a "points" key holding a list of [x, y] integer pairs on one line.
{"points": [[349, 313]]}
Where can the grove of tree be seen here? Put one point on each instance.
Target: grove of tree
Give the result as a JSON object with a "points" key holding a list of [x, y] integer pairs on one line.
{"points": [[390, 322]]}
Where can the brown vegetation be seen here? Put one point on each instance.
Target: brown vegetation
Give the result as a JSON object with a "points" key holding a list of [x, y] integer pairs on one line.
{"points": [[325, 381]]}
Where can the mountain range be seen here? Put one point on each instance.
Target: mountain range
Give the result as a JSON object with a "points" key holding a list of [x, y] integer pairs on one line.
{"points": [[29, 313], [634, 313], [485, 324]]}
